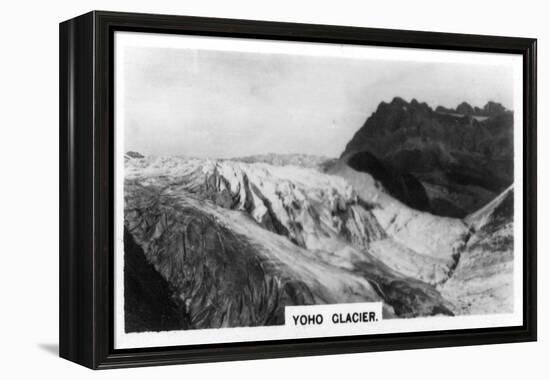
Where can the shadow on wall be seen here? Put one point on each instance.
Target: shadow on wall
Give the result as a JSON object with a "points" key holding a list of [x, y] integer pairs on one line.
{"points": [[51, 348]]}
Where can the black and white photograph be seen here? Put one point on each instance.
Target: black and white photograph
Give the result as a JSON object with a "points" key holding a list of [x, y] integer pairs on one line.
{"points": [[274, 190]]}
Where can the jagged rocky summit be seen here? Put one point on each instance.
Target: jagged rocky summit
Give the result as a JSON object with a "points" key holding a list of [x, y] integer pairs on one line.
{"points": [[462, 158]]}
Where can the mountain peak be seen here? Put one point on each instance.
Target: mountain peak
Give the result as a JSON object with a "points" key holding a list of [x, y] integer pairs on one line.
{"points": [[133, 154], [398, 101], [467, 150], [465, 109], [493, 108]]}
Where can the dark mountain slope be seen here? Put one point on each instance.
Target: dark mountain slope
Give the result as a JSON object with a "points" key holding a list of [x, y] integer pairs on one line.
{"points": [[402, 186], [462, 156], [149, 304]]}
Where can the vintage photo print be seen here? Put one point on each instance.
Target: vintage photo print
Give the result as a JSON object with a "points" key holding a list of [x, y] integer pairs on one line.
{"points": [[271, 190]]}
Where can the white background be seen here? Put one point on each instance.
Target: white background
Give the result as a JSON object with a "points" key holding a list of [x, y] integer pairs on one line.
{"points": [[29, 188]]}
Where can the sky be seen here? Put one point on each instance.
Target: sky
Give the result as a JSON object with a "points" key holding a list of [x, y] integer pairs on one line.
{"points": [[223, 103]]}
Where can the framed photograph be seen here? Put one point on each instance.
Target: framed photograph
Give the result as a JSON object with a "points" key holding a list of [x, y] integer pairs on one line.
{"points": [[236, 189]]}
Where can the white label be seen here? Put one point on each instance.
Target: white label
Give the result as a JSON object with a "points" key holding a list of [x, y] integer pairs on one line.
{"points": [[351, 316]]}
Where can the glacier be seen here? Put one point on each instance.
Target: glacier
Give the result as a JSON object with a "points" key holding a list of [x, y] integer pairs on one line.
{"points": [[237, 240]]}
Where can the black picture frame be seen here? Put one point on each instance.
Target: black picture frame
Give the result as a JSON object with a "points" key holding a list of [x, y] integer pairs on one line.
{"points": [[87, 186]]}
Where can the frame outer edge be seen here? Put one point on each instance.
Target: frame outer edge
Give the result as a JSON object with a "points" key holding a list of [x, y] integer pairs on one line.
{"points": [[76, 335], [531, 181]]}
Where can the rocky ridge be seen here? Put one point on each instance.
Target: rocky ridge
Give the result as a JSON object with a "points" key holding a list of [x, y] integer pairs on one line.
{"points": [[463, 157]]}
